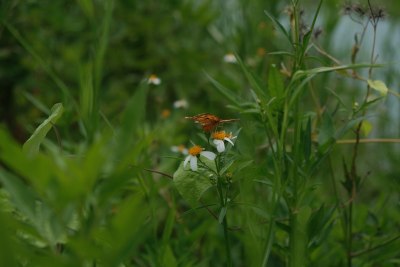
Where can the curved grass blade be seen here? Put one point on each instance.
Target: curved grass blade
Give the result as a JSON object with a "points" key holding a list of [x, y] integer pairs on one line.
{"points": [[32, 145]]}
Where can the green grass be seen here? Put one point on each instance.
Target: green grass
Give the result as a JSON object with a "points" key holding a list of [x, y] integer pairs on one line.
{"points": [[312, 177]]}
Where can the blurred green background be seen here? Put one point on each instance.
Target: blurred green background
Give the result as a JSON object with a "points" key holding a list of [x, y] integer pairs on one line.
{"points": [[126, 41], [93, 55]]}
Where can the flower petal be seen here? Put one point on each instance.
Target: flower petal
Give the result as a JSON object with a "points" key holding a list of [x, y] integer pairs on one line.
{"points": [[208, 154], [193, 163], [229, 140], [186, 161], [220, 145]]}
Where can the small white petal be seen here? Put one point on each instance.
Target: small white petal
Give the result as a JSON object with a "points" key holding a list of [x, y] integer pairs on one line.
{"points": [[230, 58], [181, 103], [208, 154], [229, 140], [220, 145], [186, 161], [193, 163]]}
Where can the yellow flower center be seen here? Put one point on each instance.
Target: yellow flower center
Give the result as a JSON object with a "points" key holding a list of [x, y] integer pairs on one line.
{"points": [[181, 148], [153, 77], [195, 150], [165, 113], [220, 135]]}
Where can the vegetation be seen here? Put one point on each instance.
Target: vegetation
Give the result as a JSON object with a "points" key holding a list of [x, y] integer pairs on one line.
{"points": [[199, 133]]}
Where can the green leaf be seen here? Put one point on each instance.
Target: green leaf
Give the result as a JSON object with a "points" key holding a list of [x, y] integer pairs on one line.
{"points": [[128, 141], [192, 185], [379, 86], [228, 94], [125, 231], [318, 227], [275, 82], [87, 7], [167, 254], [307, 36], [326, 130], [302, 73], [255, 82], [31, 146], [306, 140], [222, 214], [169, 258], [87, 99], [279, 25], [38, 213], [298, 236], [40, 60], [366, 127], [7, 245]]}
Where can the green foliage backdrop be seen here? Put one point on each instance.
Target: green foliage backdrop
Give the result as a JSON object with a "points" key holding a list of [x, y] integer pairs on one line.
{"points": [[93, 101]]}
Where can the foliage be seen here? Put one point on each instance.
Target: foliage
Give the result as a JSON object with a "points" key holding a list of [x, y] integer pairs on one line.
{"points": [[93, 180]]}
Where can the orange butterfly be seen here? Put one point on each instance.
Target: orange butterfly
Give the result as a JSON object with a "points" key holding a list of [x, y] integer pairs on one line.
{"points": [[209, 121]]}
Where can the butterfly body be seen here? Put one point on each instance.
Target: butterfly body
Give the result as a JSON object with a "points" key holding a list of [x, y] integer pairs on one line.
{"points": [[209, 121]]}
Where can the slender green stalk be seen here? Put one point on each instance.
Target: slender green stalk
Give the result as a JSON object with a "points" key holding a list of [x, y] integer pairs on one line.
{"points": [[353, 175], [349, 234], [270, 236], [224, 205], [275, 194], [227, 245]]}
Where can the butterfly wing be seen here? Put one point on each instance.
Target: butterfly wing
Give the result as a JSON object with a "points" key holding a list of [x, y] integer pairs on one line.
{"points": [[208, 121]]}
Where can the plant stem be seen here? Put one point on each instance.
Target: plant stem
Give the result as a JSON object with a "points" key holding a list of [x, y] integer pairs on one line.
{"points": [[349, 234], [223, 203], [227, 245]]}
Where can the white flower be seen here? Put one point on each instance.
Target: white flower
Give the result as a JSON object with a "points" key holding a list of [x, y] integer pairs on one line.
{"points": [[153, 79], [230, 58], [181, 103], [181, 149], [194, 152], [219, 138]]}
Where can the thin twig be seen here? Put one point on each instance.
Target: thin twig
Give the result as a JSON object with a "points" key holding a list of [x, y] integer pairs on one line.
{"points": [[369, 140], [159, 172], [359, 253]]}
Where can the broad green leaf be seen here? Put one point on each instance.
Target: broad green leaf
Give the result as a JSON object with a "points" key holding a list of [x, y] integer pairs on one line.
{"points": [[32, 145], [25, 200], [37, 170], [192, 185], [379, 86]]}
